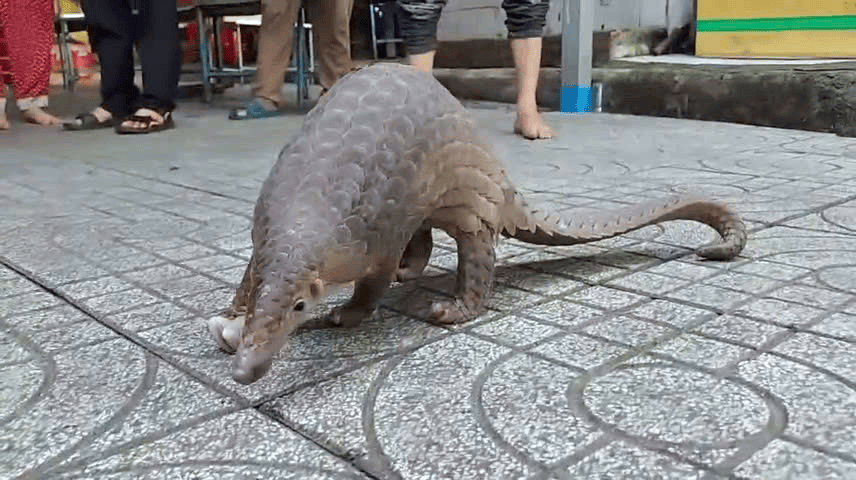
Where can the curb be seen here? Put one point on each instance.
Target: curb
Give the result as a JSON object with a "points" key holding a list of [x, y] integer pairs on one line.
{"points": [[819, 98]]}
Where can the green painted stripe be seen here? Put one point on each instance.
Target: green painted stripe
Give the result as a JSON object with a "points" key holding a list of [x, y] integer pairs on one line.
{"points": [[834, 22]]}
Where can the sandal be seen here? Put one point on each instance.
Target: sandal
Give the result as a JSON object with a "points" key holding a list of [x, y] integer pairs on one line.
{"points": [[87, 121], [150, 124], [254, 109]]}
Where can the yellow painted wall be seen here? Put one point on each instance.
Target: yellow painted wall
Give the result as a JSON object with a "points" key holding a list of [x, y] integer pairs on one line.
{"points": [[773, 8], [794, 44], [787, 39]]}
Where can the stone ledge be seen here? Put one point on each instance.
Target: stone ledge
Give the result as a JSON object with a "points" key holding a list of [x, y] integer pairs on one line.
{"points": [[818, 98]]}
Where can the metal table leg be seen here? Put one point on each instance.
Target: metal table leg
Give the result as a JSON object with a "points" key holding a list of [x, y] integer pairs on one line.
{"points": [[69, 73], [203, 55], [302, 88], [240, 43], [372, 13], [218, 41]]}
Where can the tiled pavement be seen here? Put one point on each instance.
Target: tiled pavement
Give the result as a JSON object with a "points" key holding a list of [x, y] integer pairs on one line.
{"points": [[627, 358]]}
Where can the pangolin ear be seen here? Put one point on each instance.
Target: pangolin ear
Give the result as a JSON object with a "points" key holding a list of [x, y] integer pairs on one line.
{"points": [[316, 288]]}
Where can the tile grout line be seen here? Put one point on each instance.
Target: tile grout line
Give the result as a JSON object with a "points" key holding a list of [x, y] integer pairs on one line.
{"points": [[110, 325], [242, 404]]}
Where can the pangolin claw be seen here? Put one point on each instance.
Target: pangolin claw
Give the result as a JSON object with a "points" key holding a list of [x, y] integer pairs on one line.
{"points": [[227, 331]]}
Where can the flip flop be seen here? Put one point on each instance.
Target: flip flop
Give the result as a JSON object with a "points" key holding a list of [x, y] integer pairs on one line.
{"points": [[254, 109], [87, 121]]}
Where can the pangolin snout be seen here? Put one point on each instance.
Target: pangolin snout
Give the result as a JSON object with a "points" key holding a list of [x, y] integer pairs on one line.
{"points": [[246, 371]]}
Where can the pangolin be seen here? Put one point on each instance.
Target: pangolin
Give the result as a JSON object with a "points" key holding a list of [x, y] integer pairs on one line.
{"points": [[384, 157]]}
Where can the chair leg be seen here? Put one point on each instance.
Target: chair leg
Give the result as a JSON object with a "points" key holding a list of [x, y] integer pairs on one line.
{"points": [[310, 53], [69, 70], [374, 28], [218, 41], [302, 90], [203, 55], [63, 59], [240, 46]]}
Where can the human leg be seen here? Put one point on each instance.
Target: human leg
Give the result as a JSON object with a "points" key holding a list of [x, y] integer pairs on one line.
{"points": [[525, 21], [160, 56], [111, 31], [29, 32], [4, 122], [5, 72], [331, 19], [422, 61], [527, 58], [419, 30], [276, 39], [160, 53]]}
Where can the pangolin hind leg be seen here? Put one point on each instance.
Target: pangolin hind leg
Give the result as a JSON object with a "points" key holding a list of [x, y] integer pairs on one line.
{"points": [[476, 264], [367, 292], [226, 328], [416, 255]]}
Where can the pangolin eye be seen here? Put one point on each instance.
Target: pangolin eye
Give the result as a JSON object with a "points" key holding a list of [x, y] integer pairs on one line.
{"points": [[299, 306]]}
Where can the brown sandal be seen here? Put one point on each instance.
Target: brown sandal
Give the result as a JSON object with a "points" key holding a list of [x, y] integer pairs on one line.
{"points": [[150, 124]]}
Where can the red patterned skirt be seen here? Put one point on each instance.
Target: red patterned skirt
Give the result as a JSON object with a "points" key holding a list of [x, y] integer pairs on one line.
{"points": [[26, 39]]}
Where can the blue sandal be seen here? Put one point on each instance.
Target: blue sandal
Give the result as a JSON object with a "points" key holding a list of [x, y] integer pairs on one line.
{"points": [[254, 109]]}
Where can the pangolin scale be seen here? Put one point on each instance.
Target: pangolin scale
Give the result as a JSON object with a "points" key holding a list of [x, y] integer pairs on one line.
{"points": [[384, 157]]}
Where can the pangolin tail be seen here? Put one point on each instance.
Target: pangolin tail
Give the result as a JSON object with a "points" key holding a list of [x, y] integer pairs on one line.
{"points": [[534, 226]]}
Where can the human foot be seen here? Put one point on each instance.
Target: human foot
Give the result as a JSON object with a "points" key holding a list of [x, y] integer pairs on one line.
{"points": [[102, 115], [530, 126], [257, 108], [4, 122], [146, 120], [38, 116], [98, 118]]}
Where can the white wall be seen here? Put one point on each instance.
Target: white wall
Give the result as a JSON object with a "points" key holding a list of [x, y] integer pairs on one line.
{"points": [[470, 19]]}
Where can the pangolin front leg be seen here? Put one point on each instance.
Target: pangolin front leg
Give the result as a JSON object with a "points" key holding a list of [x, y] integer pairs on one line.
{"points": [[367, 292], [416, 255], [226, 328], [476, 264]]}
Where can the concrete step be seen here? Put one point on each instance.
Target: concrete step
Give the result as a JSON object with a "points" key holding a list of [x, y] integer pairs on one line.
{"points": [[805, 95]]}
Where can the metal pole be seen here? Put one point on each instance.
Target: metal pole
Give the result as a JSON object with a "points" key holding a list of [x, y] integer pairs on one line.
{"points": [[218, 41], [577, 19], [300, 57], [240, 42], [67, 58], [203, 54], [372, 13]]}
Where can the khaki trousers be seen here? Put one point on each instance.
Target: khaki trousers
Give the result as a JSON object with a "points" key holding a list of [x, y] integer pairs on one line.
{"points": [[332, 37]]}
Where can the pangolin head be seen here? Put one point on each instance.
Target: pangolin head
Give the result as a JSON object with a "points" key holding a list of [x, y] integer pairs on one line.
{"points": [[278, 312]]}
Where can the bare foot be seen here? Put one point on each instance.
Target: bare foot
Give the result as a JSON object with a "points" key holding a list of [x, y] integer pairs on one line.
{"points": [[143, 112], [97, 118], [38, 116], [530, 126], [101, 114]]}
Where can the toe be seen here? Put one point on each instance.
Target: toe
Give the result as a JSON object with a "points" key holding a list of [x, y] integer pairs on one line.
{"points": [[545, 131], [531, 127]]}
